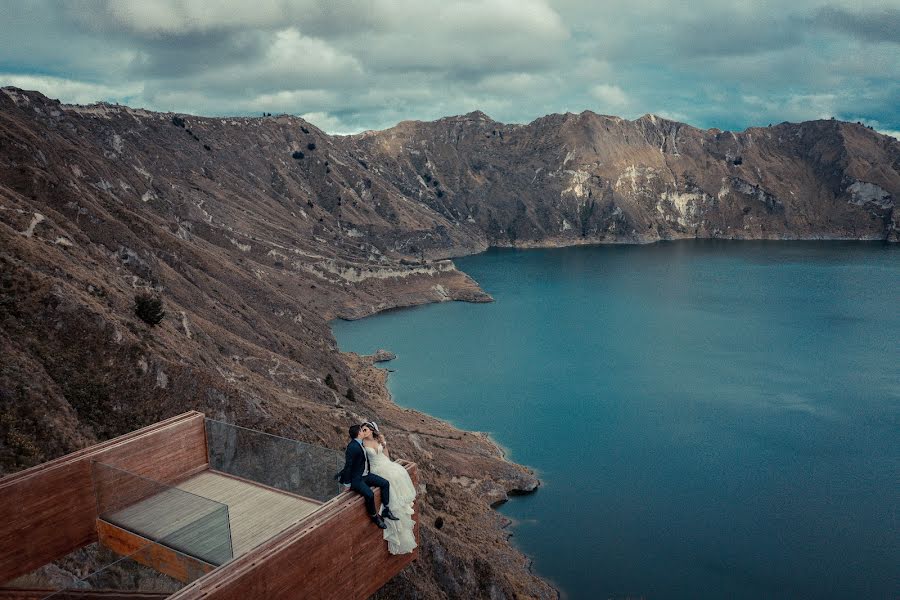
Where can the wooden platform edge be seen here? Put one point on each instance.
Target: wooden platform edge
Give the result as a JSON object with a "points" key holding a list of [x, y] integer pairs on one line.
{"points": [[96, 448], [334, 553], [49, 510], [40, 594], [166, 560]]}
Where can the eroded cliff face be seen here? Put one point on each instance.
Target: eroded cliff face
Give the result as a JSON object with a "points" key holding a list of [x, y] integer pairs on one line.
{"points": [[571, 179], [257, 231]]}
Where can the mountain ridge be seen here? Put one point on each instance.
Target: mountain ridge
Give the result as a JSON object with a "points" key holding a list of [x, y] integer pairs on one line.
{"points": [[678, 175]]}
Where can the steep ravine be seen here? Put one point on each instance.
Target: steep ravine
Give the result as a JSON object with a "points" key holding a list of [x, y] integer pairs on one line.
{"points": [[256, 232]]}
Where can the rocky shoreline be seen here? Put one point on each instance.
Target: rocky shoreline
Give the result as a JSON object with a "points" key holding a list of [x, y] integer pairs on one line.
{"points": [[465, 476]]}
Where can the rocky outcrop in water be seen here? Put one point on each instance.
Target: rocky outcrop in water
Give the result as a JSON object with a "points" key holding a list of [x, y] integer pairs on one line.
{"points": [[382, 355], [254, 232]]}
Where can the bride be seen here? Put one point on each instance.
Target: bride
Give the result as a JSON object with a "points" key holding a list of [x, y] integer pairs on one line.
{"points": [[399, 534]]}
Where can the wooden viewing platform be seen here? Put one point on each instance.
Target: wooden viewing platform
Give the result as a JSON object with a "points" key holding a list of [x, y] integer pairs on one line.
{"points": [[153, 496], [256, 513]]}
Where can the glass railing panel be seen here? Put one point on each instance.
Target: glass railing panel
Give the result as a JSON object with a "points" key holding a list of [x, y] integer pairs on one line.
{"points": [[191, 524], [63, 572], [110, 574], [289, 465]]}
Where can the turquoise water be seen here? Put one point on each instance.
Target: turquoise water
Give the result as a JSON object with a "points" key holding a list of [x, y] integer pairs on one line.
{"points": [[709, 419]]}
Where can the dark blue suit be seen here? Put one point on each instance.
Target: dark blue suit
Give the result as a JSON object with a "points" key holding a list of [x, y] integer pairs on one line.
{"points": [[356, 462]]}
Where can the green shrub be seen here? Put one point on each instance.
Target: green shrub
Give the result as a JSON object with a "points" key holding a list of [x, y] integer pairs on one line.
{"points": [[329, 381], [149, 309]]}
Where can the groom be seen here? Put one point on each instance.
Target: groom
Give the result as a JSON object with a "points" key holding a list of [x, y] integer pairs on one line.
{"points": [[356, 474]]}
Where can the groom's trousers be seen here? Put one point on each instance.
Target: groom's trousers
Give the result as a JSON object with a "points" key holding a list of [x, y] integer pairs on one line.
{"points": [[364, 486]]}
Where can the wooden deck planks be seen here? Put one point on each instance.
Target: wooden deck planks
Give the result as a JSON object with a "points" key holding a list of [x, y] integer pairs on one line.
{"points": [[257, 513], [189, 523]]}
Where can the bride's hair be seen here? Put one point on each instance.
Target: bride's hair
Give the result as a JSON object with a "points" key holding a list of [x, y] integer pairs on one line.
{"points": [[375, 431]]}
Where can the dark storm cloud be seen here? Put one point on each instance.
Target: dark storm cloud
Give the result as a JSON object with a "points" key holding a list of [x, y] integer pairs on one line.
{"points": [[726, 35], [870, 26], [178, 56], [359, 64]]}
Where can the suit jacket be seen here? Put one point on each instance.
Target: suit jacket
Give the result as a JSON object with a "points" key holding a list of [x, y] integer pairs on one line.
{"points": [[355, 463]]}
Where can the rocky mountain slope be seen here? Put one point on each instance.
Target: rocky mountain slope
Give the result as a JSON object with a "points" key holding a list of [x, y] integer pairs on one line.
{"points": [[587, 178], [255, 232]]}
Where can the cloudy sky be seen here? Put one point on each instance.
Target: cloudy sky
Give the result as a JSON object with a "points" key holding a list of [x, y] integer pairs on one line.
{"points": [[349, 65]]}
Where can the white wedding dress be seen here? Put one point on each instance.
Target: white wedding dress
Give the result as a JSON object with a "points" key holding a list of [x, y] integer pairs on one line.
{"points": [[400, 536]]}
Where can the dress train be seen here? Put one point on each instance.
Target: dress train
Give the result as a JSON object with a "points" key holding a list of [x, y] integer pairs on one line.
{"points": [[400, 534]]}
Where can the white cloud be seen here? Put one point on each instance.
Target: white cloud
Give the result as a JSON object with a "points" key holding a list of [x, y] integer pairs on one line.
{"points": [[811, 106], [292, 52], [610, 96], [499, 18], [290, 61], [672, 116], [173, 17], [329, 123], [203, 103], [291, 100], [369, 63], [507, 84], [70, 90], [179, 17]]}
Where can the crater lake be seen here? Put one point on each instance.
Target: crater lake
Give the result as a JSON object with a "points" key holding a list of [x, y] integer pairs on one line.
{"points": [[708, 419]]}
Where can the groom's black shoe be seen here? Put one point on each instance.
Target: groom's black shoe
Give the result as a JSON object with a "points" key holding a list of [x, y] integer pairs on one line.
{"points": [[379, 521], [387, 514]]}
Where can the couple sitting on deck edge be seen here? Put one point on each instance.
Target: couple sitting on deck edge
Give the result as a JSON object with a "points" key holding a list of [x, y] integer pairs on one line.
{"points": [[368, 465]]}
